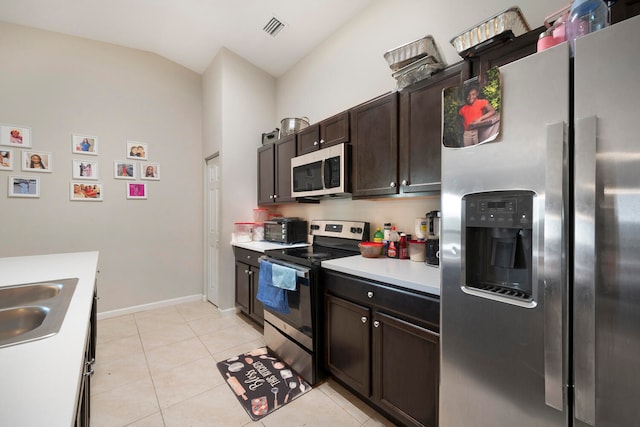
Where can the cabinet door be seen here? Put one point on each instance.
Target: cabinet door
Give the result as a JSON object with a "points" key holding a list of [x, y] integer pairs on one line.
{"points": [[266, 170], [348, 343], [285, 151], [243, 286], [420, 132], [374, 131], [308, 139], [257, 309], [334, 130], [405, 370]]}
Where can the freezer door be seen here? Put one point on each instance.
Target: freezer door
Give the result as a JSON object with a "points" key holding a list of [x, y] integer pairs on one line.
{"points": [[607, 227], [502, 355]]}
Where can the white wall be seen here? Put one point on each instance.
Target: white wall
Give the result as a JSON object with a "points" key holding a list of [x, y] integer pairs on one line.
{"points": [[150, 250], [239, 101], [349, 68]]}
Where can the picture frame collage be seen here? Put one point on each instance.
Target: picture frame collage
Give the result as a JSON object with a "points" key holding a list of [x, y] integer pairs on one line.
{"points": [[16, 142]]}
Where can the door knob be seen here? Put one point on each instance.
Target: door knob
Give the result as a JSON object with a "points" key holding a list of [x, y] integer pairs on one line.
{"points": [[364, 319], [405, 182], [370, 294], [392, 185], [376, 324]]}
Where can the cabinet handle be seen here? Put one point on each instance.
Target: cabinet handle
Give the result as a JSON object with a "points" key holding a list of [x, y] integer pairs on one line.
{"points": [[248, 256], [322, 141], [275, 196], [246, 272], [250, 273], [392, 185], [370, 294], [364, 319], [405, 182], [376, 324], [271, 196], [89, 373], [315, 142]]}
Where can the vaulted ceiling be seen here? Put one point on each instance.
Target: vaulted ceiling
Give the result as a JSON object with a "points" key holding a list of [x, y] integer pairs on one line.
{"points": [[191, 32]]}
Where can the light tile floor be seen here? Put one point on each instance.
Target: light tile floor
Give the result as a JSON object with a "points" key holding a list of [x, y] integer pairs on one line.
{"points": [[158, 368]]}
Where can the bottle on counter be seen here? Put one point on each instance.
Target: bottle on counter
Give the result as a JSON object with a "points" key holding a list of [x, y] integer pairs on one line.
{"points": [[385, 238], [394, 239], [403, 247], [387, 230], [378, 236]]}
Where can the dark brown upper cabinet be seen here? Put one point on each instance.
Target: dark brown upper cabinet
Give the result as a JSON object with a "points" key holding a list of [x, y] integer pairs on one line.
{"points": [[374, 138], [420, 131], [274, 171], [331, 131]]}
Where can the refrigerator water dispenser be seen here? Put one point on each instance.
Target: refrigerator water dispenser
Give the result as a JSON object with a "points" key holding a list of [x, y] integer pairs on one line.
{"points": [[498, 243]]}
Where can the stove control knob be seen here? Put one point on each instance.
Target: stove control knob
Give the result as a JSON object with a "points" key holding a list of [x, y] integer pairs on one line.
{"points": [[359, 230], [315, 227], [353, 229]]}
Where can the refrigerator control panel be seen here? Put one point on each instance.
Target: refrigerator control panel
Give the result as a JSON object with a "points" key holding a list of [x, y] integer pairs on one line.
{"points": [[498, 209]]}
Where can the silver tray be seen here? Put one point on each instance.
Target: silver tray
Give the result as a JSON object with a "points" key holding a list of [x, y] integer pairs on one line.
{"points": [[508, 20], [413, 51], [416, 71]]}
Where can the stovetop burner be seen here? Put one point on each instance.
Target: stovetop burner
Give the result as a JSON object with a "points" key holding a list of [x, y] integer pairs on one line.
{"points": [[331, 240]]}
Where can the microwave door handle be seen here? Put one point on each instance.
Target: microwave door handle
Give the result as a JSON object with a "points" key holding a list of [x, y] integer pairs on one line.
{"points": [[326, 173]]}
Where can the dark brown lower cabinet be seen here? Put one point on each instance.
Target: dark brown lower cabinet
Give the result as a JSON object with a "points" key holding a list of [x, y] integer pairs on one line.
{"points": [[406, 370], [383, 343], [247, 271], [349, 343]]}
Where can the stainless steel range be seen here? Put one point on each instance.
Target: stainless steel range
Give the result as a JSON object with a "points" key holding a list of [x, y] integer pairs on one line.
{"points": [[295, 337]]}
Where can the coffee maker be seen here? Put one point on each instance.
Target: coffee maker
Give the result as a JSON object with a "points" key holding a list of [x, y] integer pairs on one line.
{"points": [[433, 238]]}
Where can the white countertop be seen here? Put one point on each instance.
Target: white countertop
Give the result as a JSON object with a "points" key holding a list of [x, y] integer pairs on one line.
{"points": [[39, 380], [261, 246], [399, 272]]}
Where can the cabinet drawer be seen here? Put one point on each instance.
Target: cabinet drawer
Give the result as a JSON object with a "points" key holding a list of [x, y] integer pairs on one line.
{"points": [[403, 303], [246, 256]]}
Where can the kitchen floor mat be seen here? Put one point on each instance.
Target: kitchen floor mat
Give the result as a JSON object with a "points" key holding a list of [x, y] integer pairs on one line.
{"points": [[262, 382]]}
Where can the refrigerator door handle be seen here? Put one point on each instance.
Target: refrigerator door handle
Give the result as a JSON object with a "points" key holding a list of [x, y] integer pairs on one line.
{"points": [[584, 276], [553, 270]]}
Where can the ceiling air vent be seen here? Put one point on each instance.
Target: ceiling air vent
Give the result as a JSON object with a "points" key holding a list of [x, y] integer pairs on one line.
{"points": [[273, 27]]}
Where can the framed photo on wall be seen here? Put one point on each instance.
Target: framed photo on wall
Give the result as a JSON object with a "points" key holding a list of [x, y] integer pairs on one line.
{"points": [[86, 191], [85, 170], [150, 171], [24, 186], [6, 160], [136, 190], [37, 161], [137, 150], [16, 136], [84, 144], [124, 170]]}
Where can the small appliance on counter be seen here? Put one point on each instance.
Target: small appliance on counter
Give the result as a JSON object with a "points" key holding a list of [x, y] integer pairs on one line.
{"points": [[285, 230], [433, 238]]}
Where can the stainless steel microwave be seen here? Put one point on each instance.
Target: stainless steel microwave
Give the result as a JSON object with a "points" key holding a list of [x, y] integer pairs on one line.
{"points": [[322, 173]]}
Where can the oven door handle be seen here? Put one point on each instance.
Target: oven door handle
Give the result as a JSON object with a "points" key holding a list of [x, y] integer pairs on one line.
{"points": [[300, 271]]}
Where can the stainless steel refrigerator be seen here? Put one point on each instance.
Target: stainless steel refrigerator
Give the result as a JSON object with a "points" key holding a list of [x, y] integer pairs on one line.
{"points": [[540, 246]]}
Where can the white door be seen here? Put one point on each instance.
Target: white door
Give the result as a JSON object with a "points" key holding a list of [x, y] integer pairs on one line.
{"points": [[213, 229]]}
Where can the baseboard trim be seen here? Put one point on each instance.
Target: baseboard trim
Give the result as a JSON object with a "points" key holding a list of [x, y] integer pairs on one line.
{"points": [[152, 306]]}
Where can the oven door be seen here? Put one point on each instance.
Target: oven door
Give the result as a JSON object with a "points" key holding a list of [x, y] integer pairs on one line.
{"points": [[298, 323]]}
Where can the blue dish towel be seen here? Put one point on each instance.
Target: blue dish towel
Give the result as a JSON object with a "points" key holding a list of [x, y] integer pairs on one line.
{"points": [[272, 297], [283, 277]]}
